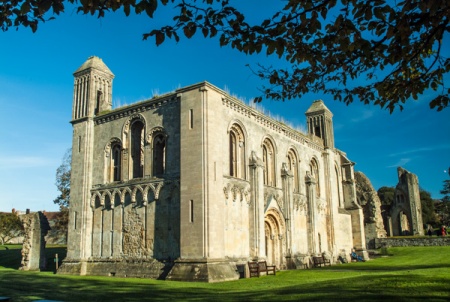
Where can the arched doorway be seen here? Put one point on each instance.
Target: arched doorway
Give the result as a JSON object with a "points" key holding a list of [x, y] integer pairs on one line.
{"points": [[405, 228], [274, 230]]}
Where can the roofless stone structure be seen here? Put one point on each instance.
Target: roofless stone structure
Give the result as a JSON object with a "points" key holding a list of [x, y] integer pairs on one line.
{"points": [[193, 184]]}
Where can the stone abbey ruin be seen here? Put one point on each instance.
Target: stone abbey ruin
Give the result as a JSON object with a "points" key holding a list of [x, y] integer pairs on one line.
{"points": [[192, 185]]}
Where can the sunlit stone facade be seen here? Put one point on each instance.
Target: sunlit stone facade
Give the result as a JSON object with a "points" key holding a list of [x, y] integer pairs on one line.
{"points": [[193, 184]]}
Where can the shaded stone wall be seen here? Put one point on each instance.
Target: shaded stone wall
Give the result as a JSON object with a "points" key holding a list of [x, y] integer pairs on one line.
{"points": [[36, 227], [371, 204]]}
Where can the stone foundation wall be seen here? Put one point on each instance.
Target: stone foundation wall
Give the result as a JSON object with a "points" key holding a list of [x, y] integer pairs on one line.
{"points": [[403, 242]]}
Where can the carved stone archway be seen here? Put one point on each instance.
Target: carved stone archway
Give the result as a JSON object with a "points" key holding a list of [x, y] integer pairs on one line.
{"points": [[274, 233]]}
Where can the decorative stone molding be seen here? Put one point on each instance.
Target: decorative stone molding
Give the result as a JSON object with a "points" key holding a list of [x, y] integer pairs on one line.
{"points": [[321, 206], [113, 190], [285, 172], [255, 161], [137, 108], [153, 132], [275, 194], [241, 190], [300, 203]]}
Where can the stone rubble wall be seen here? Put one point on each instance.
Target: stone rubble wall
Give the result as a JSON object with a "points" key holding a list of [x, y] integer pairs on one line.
{"points": [[371, 204], [36, 227], [404, 242]]}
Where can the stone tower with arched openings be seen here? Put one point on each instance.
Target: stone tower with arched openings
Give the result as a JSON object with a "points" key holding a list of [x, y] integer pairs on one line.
{"points": [[320, 123], [92, 94]]}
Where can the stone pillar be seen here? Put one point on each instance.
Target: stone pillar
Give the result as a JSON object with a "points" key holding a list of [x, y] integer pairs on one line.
{"points": [[33, 249], [330, 206], [311, 200], [256, 217], [288, 198]]}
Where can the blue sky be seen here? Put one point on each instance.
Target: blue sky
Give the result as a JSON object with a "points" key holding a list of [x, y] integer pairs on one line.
{"points": [[36, 86]]}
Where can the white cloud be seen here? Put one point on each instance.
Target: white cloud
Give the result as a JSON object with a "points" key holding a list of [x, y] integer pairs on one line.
{"points": [[366, 114], [400, 163], [422, 149]]}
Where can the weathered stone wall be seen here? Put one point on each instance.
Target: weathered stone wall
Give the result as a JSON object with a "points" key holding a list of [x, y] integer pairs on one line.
{"points": [[198, 212], [371, 204], [406, 210], [36, 228], [404, 242]]}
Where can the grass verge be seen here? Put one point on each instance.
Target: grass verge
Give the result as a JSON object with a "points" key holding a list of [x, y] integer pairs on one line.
{"points": [[408, 274]]}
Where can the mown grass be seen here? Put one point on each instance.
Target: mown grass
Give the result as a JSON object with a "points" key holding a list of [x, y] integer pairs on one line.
{"points": [[407, 274]]}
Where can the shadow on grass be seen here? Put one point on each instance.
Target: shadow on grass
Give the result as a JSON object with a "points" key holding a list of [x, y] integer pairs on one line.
{"points": [[11, 257], [362, 288], [414, 277]]}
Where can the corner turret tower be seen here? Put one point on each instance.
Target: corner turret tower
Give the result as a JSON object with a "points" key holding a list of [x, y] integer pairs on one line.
{"points": [[92, 91], [320, 123], [92, 94]]}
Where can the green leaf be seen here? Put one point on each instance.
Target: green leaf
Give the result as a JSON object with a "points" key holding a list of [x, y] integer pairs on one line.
{"points": [[160, 37]]}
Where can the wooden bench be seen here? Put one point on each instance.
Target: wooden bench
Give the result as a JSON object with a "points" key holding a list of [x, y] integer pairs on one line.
{"points": [[320, 261], [256, 268], [268, 269]]}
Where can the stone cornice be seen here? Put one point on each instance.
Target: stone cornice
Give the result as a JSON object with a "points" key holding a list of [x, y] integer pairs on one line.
{"points": [[137, 108], [271, 124]]}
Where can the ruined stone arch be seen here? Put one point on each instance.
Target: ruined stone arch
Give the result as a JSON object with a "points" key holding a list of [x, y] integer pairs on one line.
{"points": [[237, 149], [401, 221], [269, 152]]}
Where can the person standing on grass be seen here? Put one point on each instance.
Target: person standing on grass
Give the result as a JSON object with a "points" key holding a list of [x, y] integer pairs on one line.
{"points": [[443, 231]]}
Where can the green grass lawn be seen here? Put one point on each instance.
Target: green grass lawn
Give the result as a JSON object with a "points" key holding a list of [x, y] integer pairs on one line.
{"points": [[407, 274]]}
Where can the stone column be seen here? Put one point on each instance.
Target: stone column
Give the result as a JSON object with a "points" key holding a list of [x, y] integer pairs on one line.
{"points": [[330, 206], [310, 182], [288, 196], [256, 217]]}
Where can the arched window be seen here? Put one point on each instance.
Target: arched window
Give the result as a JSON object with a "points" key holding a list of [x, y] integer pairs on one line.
{"points": [[159, 154], [269, 163], [113, 160], [293, 167], [137, 149], [236, 152], [116, 152], [314, 169]]}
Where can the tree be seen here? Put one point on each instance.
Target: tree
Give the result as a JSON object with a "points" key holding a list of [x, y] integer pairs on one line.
{"points": [[10, 227], [443, 211], [446, 190], [386, 195], [428, 211], [63, 184], [381, 52], [443, 206]]}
